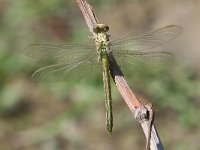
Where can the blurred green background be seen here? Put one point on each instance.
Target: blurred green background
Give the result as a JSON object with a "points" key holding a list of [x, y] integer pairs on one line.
{"points": [[57, 116]]}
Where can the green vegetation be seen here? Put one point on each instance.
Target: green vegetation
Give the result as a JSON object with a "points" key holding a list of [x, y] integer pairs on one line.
{"points": [[26, 105]]}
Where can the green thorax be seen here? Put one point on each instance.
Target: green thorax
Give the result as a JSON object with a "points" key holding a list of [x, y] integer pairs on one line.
{"points": [[102, 40]]}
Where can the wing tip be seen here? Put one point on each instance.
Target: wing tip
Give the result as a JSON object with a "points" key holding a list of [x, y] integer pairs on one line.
{"points": [[177, 28]]}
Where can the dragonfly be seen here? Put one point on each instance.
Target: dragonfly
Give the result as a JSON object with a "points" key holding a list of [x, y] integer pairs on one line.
{"points": [[70, 60]]}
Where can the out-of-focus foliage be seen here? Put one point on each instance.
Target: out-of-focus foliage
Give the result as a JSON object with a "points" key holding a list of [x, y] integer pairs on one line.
{"points": [[61, 116], [175, 88]]}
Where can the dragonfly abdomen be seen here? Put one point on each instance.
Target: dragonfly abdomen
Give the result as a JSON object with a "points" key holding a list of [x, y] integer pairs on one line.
{"points": [[107, 91]]}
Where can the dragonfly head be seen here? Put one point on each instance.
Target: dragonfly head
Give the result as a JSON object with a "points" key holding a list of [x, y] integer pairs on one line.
{"points": [[101, 28]]}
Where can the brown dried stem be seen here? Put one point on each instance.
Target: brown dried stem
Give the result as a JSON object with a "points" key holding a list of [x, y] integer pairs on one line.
{"points": [[121, 83]]}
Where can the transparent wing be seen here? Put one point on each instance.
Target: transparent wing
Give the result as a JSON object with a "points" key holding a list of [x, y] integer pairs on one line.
{"points": [[68, 71], [147, 40], [58, 52], [131, 62], [68, 62]]}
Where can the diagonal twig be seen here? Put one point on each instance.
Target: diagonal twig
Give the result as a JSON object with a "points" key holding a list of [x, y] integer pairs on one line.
{"points": [[142, 113]]}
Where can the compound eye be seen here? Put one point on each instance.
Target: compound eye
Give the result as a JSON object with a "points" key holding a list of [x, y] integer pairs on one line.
{"points": [[106, 28], [101, 28], [96, 29]]}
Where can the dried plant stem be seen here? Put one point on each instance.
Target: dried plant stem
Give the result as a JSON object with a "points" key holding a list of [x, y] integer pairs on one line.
{"points": [[153, 140]]}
